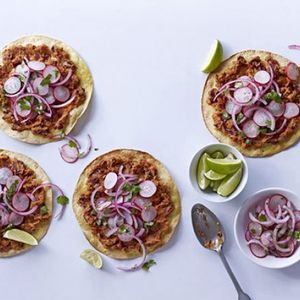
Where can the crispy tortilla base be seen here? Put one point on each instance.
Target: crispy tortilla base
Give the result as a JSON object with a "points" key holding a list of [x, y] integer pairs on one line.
{"points": [[86, 82], [208, 110], [165, 178], [40, 175]]}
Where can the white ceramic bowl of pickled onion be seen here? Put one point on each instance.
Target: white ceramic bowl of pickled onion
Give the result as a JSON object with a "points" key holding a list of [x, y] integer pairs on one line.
{"points": [[242, 220]]}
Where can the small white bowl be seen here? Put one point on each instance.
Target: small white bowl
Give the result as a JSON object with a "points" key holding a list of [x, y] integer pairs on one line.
{"points": [[210, 195], [240, 224]]}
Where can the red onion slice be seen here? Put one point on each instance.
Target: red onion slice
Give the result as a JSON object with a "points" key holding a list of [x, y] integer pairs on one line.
{"points": [[148, 188], [12, 179], [12, 85], [277, 200], [266, 238], [291, 110], [5, 174], [21, 111], [297, 215]]}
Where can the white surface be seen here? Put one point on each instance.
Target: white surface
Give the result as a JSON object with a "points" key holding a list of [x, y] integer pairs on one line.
{"points": [[208, 194], [145, 57], [241, 222]]}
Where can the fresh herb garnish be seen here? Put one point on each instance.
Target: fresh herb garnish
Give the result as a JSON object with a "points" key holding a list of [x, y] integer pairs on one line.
{"points": [[297, 235], [46, 80], [253, 231], [131, 188], [56, 73], [12, 189], [24, 105], [242, 134], [225, 115], [148, 264], [62, 200], [8, 227], [123, 229], [43, 210], [148, 224], [72, 144], [263, 129], [273, 96], [39, 108], [262, 218], [239, 118], [248, 142], [268, 123]]}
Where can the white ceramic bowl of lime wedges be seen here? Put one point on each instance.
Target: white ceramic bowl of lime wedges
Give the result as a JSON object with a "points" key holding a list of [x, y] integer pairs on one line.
{"points": [[219, 172]]}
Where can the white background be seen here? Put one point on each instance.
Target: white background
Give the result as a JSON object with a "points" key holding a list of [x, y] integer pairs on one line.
{"points": [[145, 57]]}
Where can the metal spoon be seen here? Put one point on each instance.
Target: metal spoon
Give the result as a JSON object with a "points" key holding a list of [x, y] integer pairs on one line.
{"points": [[210, 234]]}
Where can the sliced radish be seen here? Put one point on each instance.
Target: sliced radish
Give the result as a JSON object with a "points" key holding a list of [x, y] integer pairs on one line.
{"points": [[39, 87], [291, 110], [23, 69], [230, 105], [36, 65], [50, 97], [5, 173], [11, 180], [243, 81], [292, 71], [243, 95], [258, 250], [127, 234], [277, 109], [20, 202], [12, 85], [110, 180], [277, 130], [262, 117], [251, 129], [15, 219], [23, 108], [53, 72], [297, 215], [262, 77], [286, 252], [297, 226], [148, 188], [267, 238], [69, 154], [277, 200], [255, 229], [249, 110], [149, 213], [61, 93], [142, 203]]}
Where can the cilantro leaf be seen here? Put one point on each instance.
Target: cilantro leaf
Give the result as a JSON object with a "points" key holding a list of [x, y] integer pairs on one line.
{"points": [[239, 118], [296, 235], [268, 123], [262, 218], [62, 200], [131, 188], [12, 189], [43, 210], [72, 144], [148, 264], [23, 104], [273, 96], [46, 80], [148, 224], [225, 115]]}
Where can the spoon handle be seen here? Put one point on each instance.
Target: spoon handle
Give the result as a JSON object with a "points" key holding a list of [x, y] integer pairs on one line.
{"points": [[242, 295]]}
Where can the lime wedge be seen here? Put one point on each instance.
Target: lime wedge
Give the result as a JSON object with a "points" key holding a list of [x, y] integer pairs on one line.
{"points": [[212, 175], [20, 236], [92, 257], [202, 168], [217, 154], [216, 185], [214, 57], [223, 165], [230, 156], [230, 183]]}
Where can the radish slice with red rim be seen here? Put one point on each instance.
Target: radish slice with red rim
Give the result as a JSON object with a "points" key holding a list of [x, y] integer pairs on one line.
{"points": [[297, 226], [5, 173], [39, 86], [147, 188], [262, 77], [277, 109], [277, 200], [23, 70], [251, 129], [15, 219], [242, 81], [291, 110], [13, 180], [20, 202], [264, 118], [36, 65], [243, 95], [292, 71], [52, 72], [255, 229], [257, 249], [69, 154], [266, 238], [149, 214], [12, 85], [110, 180], [230, 105], [50, 97], [126, 233], [61, 93], [23, 108]]}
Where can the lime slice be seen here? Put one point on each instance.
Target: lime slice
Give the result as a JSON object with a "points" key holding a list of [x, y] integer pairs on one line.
{"points": [[223, 165], [92, 257], [203, 182], [230, 183], [217, 154], [212, 175], [214, 57], [20, 236], [216, 185], [230, 156]]}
